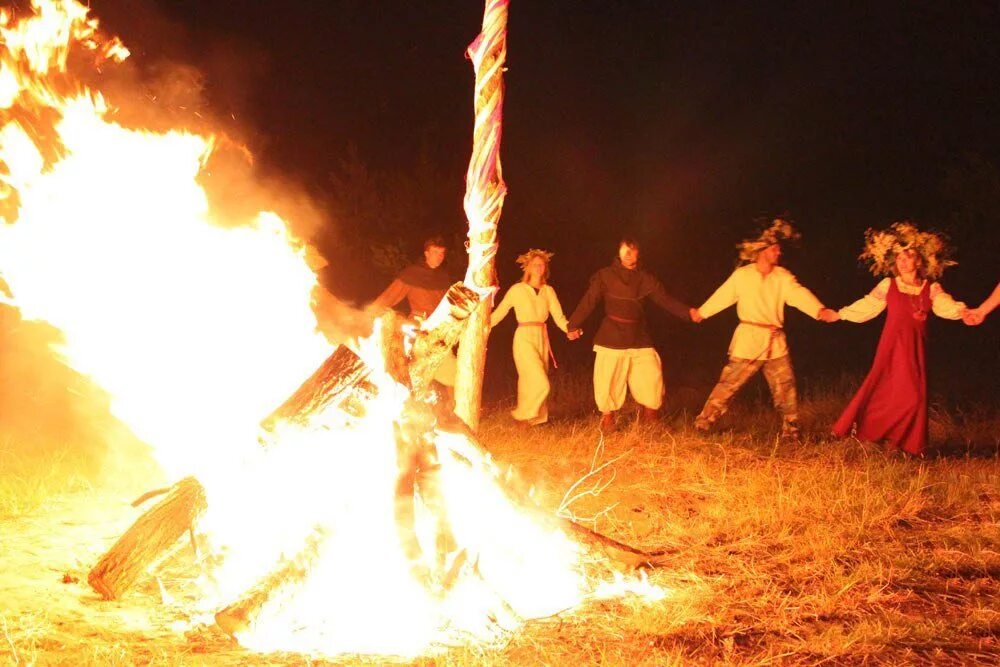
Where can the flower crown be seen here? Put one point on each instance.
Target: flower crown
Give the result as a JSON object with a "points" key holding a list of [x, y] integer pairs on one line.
{"points": [[525, 259], [883, 246], [778, 231]]}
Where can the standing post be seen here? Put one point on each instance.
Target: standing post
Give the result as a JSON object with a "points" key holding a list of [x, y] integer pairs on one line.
{"points": [[484, 195]]}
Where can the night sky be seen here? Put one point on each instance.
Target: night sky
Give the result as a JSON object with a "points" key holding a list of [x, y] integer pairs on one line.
{"points": [[680, 123]]}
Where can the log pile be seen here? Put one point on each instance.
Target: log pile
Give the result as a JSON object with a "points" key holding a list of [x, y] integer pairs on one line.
{"points": [[343, 382]]}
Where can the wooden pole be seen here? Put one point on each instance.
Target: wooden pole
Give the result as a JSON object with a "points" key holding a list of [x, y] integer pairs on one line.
{"points": [[484, 195]]}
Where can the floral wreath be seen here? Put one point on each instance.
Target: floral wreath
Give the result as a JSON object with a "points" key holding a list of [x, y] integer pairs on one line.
{"points": [[778, 231], [883, 246], [525, 259]]}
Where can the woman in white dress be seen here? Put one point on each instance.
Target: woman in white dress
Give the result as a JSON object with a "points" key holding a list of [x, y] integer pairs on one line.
{"points": [[533, 300]]}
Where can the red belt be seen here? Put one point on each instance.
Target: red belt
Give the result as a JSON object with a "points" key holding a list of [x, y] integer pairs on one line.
{"points": [[621, 319], [545, 337]]}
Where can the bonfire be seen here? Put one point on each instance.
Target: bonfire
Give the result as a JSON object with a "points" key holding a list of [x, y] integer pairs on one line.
{"points": [[359, 515]]}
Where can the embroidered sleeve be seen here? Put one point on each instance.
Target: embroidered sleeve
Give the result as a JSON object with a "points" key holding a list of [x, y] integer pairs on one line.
{"points": [[943, 305], [867, 307], [555, 308], [722, 298], [503, 307], [801, 298]]}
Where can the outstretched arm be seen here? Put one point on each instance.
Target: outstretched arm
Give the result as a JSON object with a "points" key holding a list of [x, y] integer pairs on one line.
{"points": [[943, 305], [801, 298], [867, 307], [975, 316], [393, 294], [661, 298], [587, 304], [992, 301], [723, 297], [556, 310], [500, 312]]}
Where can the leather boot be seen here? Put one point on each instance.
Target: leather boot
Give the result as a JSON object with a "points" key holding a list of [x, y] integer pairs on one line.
{"points": [[607, 422], [649, 415]]}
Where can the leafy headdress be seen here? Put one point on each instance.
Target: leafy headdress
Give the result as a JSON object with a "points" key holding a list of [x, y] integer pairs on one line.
{"points": [[524, 259], [883, 246], [777, 231]]}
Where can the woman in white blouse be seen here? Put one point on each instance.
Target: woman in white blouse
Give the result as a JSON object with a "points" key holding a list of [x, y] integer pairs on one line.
{"points": [[533, 300]]}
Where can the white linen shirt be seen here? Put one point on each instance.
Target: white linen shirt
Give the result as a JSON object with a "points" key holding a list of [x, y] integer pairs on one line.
{"points": [[760, 299], [530, 306]]}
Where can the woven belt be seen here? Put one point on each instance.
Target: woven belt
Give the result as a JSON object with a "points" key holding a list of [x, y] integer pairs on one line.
{"points": [[545, 337], [775, 332]]}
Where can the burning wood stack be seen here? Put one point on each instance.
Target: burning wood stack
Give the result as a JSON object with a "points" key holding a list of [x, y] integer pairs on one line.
{"points": [[344, 384]]}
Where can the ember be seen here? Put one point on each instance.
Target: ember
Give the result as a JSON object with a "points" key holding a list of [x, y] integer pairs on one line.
{"points": [[361, 502]]}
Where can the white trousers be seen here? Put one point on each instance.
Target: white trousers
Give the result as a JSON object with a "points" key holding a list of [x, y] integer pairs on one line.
{"points": [[638, 369]]}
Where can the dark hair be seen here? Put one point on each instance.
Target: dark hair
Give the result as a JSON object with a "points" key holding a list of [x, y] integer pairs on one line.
{"points": [[629, 242], [435, 242]]}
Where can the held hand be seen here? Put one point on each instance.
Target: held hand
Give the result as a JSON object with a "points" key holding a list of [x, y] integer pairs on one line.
{"points": [[574, 334], [695, 315], [972, 317], [828, 315]]}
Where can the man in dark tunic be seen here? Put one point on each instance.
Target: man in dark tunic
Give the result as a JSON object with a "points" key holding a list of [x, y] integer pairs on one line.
{"points": [[625, 355], [423, 285]]}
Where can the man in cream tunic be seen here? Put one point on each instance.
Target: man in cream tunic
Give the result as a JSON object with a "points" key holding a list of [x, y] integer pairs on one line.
{"points": [[760, 291], [532, 350]]}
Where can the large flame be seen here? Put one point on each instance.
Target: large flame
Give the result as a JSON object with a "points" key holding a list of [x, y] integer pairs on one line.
{"points": [[197, 328]]}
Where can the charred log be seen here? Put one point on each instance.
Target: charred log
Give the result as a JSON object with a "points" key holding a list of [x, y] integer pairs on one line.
{"points": [[439, 335], [342, 375], [144, 544], [281, 583]]}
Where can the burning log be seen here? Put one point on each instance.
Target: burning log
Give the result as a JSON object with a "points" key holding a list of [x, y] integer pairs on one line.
{"points": [[419, 478], [242, 615], [339, 377], [144, 544], [439, 335], [343, 377]]}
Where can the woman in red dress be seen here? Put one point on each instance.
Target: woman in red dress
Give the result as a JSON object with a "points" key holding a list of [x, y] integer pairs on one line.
{"points": [[891, 404]]}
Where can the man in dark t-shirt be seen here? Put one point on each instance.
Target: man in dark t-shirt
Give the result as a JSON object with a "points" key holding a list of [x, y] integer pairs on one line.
{"points": [[423, 285], [625, 358]]}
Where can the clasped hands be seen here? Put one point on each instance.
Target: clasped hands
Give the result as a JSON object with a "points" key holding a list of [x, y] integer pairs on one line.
{"points": [[973, 317], [828, 315]]}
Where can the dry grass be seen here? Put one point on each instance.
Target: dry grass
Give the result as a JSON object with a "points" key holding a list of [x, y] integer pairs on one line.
{"points": [[821, 552]]}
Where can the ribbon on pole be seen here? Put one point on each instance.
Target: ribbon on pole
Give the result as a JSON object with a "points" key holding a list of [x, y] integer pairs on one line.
{"points": [[484, 195]]}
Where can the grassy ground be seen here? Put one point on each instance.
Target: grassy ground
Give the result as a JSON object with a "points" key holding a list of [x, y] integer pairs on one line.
{"points": [[825, 551]]}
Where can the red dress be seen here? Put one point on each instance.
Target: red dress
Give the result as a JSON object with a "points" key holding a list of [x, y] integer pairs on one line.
{"points": [[892, 402]]}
